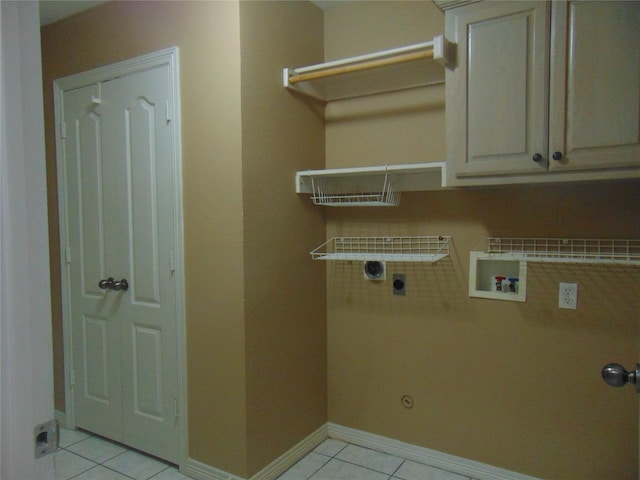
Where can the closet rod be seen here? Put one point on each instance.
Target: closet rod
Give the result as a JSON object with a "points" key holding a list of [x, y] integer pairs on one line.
{"points": [[407, 57]]}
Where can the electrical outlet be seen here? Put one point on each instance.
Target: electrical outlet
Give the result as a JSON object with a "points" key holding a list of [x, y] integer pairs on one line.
{"points": [[568, 296], [399, 284]]}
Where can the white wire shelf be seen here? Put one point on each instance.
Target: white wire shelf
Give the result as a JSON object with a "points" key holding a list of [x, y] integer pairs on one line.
{"points": [[390, 249], [386, 196], [564, 250], [369, 186], [410, 66]]}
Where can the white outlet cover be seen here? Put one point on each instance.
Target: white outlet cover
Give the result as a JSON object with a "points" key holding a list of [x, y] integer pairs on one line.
{"points": [[568, 296]]}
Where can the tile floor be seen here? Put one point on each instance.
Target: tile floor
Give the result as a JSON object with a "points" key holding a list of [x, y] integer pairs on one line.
{"points": [[337, 460], [86, 457]]}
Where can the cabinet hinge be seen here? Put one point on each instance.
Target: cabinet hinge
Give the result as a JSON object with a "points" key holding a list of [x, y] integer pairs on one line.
{"points": [[63, 129], [172, 262], [175, 407], [67, 255], [72, 377], [167, 110]]}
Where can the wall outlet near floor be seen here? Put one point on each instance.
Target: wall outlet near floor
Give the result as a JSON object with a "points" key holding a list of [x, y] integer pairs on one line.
{"points": [[568, 296], [47, 438]]}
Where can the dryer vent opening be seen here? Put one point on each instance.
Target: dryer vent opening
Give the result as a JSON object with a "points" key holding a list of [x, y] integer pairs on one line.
{"points": [[374, 270]]}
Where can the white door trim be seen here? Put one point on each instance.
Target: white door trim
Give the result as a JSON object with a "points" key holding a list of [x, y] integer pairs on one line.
{"points": [[167, 57], [26, 389]]}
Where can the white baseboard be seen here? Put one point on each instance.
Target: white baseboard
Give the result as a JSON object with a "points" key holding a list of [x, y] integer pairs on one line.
{"points": [[434, 458], [291, 457], [61, 417], [201, 471]]}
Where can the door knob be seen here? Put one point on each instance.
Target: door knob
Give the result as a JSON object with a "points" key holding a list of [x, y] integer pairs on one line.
{"points": [[121, 285], [105, 283], [616, 375]]}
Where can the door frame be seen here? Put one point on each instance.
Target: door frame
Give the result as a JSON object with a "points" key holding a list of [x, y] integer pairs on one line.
{"points": [[26, 398], [168, 57]]}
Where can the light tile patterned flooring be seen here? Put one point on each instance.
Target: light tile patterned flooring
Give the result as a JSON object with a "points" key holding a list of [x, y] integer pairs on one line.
{"points": [[86, 457], [337, 460]]}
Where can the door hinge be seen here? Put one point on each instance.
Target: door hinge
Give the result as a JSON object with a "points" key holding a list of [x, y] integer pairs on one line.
{"points": [[63, 129], [97, 98], [67, 255]]}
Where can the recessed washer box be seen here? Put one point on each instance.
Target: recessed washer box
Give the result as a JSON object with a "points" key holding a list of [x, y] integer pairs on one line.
{"points": [[486, 270]]}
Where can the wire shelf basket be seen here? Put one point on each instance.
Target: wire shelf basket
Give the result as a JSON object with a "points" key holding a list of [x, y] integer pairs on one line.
{"points": [[323, 194], [391, 249], [566, 250]]}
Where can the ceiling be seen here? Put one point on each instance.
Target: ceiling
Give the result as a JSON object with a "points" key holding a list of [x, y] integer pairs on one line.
{"points": [[53, 10]]}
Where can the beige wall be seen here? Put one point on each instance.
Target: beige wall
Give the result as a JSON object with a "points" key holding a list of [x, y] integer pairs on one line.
{"points": [[358, 130], [255, 312], [285, 306], [512, 385]]}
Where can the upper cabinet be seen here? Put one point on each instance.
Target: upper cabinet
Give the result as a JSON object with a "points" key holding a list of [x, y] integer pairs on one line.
{"points": [[543, 91], [594, 106]]}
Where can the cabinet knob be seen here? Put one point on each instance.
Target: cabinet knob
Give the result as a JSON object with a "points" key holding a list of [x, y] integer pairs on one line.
{"points": [[556, 155], [537, 157]]}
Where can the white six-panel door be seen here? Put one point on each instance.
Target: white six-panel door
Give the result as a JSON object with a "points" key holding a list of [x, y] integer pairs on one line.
{"points": [[91, 254], [119, 181]]}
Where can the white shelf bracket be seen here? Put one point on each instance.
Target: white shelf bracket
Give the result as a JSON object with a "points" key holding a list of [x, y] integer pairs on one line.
{"points": [[444, 52]]}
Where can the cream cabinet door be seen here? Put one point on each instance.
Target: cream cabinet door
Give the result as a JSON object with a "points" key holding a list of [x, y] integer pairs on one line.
{"points": [[497, 94], [594, 111]]}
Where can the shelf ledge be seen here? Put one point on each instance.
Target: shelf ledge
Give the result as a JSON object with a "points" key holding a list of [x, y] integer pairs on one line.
{"points": [[565, 250], [399, 68], [390, 249], [369, 186], [381, 257]]}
